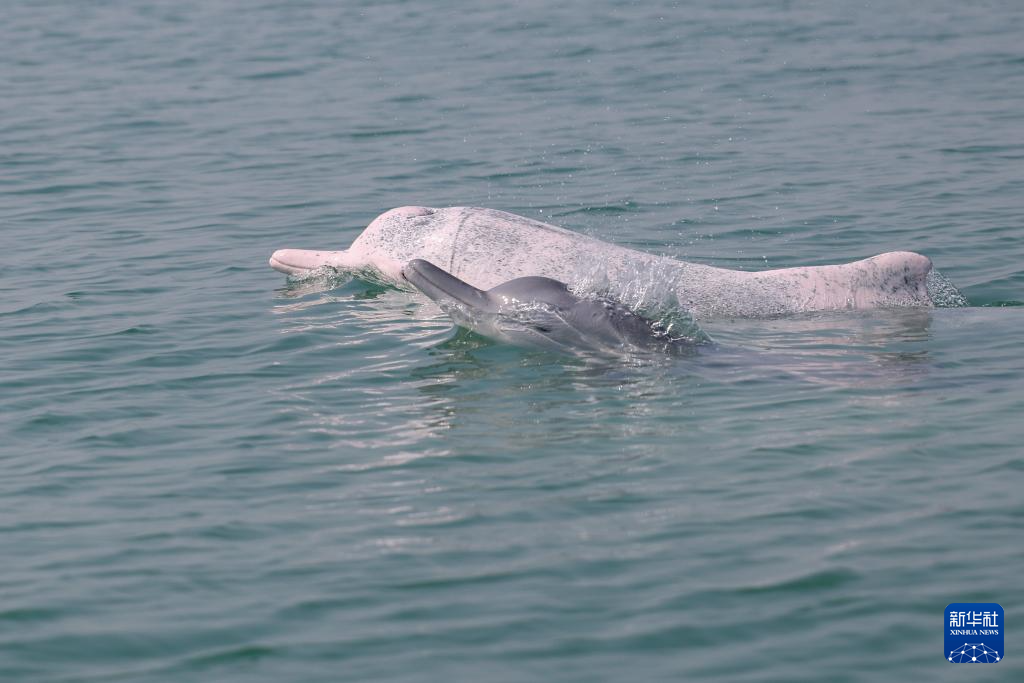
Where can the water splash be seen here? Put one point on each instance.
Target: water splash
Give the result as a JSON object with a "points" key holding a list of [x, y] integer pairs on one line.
{"points": [[649, 292], [944, 293]]}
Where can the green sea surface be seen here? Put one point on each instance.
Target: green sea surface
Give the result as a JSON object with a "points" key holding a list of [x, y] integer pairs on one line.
{"points": [[211, 473]]}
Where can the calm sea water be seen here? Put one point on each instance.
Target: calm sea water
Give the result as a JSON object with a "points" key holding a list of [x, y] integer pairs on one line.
{"points": [[208, 473]]}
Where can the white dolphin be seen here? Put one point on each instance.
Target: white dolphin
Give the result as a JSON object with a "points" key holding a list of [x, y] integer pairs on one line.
{"points": [[485, 248]]}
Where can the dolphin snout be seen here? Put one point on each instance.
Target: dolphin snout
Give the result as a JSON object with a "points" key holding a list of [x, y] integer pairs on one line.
{"points": [[441, 285], [420, 274], [298, 261], [290, 261]]}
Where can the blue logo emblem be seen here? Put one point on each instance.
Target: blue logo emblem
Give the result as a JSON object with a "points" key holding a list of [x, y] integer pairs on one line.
{"points": [[974, 633]]}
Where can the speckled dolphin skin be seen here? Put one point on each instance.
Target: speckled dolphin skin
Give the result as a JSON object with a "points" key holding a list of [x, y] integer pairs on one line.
{"points": [[486, 247]]}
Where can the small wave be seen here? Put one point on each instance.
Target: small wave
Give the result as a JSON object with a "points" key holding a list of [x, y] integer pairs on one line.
{"points": [[327, 278]]}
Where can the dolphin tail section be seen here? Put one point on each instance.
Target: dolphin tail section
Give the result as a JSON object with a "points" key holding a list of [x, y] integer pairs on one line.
{"points": [[897, 278]]}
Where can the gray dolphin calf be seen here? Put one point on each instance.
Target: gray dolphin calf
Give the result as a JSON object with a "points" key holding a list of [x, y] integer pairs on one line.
{"points": [[542, 312]]}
